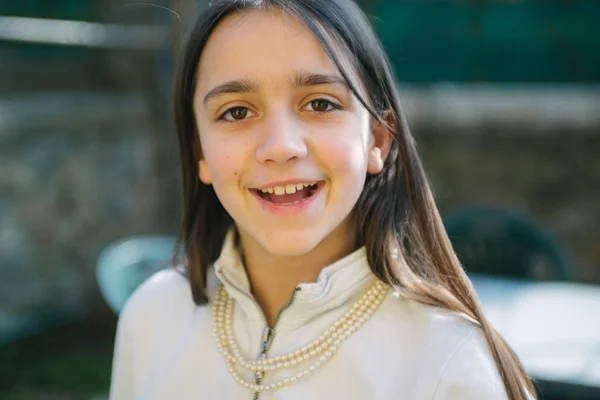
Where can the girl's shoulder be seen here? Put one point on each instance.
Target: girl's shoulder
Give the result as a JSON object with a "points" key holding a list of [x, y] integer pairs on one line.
{"points": [[165, 294], [165, 284], [429, 320], [451, 344]]}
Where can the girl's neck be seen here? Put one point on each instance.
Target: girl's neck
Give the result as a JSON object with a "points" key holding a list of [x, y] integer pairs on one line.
{"points": [[273, 278]]}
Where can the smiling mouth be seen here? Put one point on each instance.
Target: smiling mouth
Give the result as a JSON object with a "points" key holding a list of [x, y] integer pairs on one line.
{"points": [[289, 194]]}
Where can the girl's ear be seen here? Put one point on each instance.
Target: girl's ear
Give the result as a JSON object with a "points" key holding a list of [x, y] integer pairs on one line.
{"points": [[381, 143], [203, 172]]}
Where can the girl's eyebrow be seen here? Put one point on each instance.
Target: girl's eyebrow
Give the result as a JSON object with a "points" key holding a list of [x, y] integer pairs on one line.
{"points": [[300, 79], [237, 86], [304, 78]]}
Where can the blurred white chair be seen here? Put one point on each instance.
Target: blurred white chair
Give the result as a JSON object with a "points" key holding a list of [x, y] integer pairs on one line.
{"points": [[122, 266], [554, 327]]}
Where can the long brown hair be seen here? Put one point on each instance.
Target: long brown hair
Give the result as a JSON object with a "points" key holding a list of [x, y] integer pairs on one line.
{"points": [[396, 211]]}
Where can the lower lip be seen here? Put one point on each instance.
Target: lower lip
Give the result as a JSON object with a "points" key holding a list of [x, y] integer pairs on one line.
{"points": [[289, 209]]}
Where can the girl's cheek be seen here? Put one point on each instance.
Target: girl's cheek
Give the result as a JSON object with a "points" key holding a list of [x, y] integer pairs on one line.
{"points": [[225, 165], [345, 151], [220, 159]]}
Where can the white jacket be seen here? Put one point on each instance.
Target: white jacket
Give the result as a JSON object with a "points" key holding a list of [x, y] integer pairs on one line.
{"points": [[405, 351]]}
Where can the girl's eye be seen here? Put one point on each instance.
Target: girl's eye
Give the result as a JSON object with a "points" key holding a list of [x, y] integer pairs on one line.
{"points": [[322, 106], [235, 114]]}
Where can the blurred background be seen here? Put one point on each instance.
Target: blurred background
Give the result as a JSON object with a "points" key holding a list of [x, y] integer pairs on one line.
{"points": [[503, 97]]}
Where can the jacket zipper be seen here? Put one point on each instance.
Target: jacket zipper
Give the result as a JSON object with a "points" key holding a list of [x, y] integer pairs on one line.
{"points": [[267, 338], [268, 332]]}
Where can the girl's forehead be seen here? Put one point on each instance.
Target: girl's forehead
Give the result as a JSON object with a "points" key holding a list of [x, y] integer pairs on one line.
{"points": [[261, 45]]}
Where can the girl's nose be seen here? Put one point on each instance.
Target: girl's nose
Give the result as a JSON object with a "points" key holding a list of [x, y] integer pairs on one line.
{"points": [[282, 140]]}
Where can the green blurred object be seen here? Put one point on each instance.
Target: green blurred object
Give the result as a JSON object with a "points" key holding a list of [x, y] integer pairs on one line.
{"points": [[71, 361], [490, 41], [76, 10], [59, 9], [551, 41], [500, 242]]}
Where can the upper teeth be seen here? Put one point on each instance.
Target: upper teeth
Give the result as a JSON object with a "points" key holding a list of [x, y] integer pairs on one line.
{"points": [[288, 189]]}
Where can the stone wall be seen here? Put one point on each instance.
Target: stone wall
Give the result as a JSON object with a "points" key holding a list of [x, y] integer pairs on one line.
{"points": [[532, 149], [76, 172], [535, 150], [554, 179]]}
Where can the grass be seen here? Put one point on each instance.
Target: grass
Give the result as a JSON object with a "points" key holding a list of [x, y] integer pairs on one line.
{"points": [[70, 362]]}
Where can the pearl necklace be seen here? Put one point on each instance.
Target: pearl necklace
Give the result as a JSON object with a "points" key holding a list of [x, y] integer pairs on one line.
{"points": [[321, 349]]}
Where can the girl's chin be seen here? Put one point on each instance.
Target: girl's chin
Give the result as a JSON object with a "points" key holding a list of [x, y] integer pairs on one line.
{"points": [[294, 241], [283, 247], [287, 242]]}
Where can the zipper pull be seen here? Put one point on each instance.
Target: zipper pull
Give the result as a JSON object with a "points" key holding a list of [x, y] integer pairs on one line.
{"points": [[267, 338]]}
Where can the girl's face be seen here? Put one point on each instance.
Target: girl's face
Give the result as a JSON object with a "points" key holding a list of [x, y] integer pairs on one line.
{"points": [[284, 142]]}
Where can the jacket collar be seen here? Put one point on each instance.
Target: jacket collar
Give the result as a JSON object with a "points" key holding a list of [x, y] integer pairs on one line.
{"points": [[337, 284]]}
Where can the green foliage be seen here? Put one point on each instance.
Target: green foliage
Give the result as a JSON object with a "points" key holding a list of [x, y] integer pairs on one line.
{"points": [[71, 362]]}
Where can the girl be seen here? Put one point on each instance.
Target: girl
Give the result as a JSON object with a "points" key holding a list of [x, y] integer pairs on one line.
{"points": [[317, 263]]}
